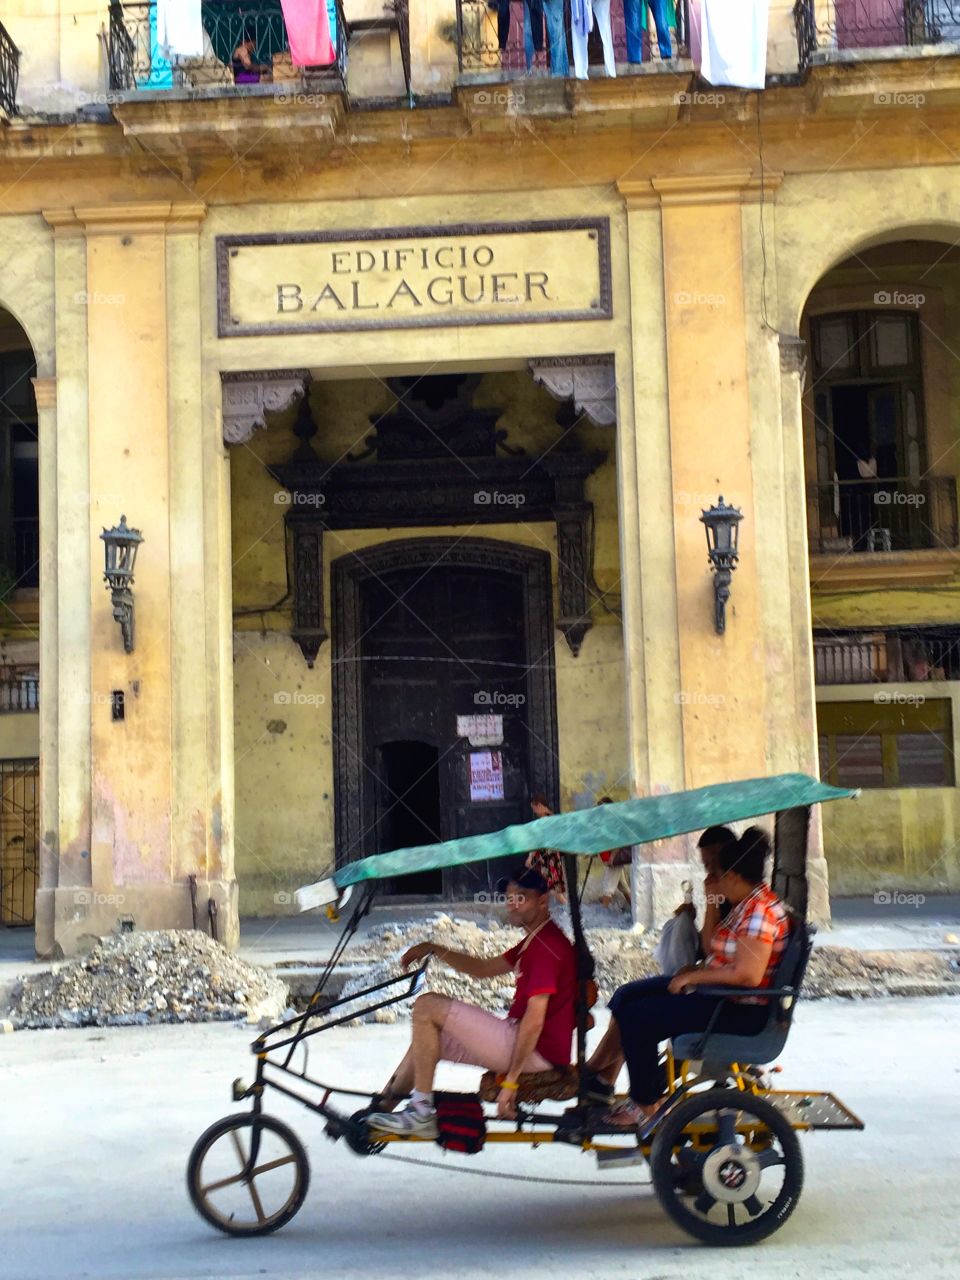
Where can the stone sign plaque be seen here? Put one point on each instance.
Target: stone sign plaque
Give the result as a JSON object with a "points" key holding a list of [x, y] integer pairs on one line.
{"points": [[412, 277]]}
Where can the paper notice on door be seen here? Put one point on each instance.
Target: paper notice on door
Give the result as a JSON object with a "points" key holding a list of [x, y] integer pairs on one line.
{"points": [[486, 775], [481, 731]]}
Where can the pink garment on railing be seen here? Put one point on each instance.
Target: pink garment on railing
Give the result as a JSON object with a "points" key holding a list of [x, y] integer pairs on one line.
{"points": [[308, 30], [694, 19]]}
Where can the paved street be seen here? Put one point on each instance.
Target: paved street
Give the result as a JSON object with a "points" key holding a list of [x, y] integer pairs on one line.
{"points": [[97, 1124]]}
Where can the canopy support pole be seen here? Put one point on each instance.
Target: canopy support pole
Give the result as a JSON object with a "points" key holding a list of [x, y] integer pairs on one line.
{"points": [[585, 967]]}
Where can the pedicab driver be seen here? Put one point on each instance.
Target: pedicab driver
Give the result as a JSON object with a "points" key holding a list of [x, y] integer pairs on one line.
{"points": [[536, 1034]]}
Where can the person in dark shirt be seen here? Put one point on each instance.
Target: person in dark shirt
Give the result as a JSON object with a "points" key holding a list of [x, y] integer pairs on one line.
{"points": [[536, 1034]]}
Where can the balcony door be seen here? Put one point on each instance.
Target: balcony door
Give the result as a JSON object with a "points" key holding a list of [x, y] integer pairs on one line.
{"points": [[870, 434]]}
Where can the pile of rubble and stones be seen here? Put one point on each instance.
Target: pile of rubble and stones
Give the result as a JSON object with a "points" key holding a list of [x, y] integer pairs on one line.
{"points": [[622, 955], [138, 978]]}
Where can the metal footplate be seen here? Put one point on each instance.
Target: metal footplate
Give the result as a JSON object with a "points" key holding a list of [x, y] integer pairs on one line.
{"points": [[813, 1110]]}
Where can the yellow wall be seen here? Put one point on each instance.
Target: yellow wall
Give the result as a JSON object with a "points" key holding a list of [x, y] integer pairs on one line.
{"points": [[284, 764], [19, 735]]}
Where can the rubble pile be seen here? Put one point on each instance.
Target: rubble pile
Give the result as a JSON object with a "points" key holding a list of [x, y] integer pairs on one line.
{"points": [[138, 978], [624, 956]]}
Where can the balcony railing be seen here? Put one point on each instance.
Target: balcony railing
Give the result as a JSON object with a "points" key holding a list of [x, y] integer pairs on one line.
{"points": [[825, 26], [136, 62], [9, 73], [896, 514], [881, 657], [19, 689], [482, 26]]}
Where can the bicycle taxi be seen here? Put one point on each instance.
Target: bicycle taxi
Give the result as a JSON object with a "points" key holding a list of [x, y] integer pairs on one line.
{"points": [[722, 1149]]}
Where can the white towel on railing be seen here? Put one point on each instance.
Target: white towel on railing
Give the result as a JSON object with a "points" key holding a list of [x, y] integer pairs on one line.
{"points": [[734, 42], [179, 29]]}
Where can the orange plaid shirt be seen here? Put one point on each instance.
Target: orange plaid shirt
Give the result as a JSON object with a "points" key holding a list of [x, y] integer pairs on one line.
{"points": [[760, 915]]}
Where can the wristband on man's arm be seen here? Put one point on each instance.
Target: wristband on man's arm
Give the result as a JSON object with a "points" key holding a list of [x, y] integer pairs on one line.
{"points": [[510, 1084]]}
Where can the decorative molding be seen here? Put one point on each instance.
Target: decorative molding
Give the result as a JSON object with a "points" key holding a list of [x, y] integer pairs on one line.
{"points": [[246, 397], [589, 381], [308, 629], [638, 194], [111, 219], [861, 570], [45, 392], [727, 188]]}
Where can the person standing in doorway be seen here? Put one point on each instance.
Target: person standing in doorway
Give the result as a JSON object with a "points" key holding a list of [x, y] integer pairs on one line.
{"points": [[547, 861]]}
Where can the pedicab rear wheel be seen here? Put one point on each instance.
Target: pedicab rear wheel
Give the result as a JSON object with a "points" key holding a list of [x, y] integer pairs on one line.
{"points": [[248, 1174], [727, 1167]]}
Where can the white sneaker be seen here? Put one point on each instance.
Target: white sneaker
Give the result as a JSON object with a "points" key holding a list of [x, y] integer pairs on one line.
{"points": [[411, 1122]]}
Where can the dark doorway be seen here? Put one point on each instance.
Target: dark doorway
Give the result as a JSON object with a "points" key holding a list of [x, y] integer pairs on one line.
{"points": [[409, 807], [429, 635]]}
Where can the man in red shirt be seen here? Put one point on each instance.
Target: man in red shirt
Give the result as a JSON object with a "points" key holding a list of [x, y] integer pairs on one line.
{"points": [[536, 1034]]}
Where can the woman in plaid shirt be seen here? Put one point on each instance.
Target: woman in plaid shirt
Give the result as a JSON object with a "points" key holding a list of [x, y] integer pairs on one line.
{"points": [[744, 951]]}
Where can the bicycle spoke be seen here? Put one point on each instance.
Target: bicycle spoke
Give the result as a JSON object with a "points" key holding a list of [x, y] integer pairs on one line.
{"points": [[255, 1197], [273, 1164]]}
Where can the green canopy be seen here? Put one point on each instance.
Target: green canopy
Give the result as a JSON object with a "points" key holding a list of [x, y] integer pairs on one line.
{"points": [[606, 826]]}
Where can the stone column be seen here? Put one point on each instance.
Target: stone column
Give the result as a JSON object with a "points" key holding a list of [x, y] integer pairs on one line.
{"points": [[138, 434], [65, 867], [45, 391], [792, 364], [646, 504]]}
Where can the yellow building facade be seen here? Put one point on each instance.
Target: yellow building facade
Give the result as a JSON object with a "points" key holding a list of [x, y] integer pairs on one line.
{"points": [[415, 376]]}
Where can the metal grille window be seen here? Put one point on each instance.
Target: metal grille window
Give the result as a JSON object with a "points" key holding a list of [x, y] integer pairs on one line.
{"points": [[19, 845], [904, 740]]}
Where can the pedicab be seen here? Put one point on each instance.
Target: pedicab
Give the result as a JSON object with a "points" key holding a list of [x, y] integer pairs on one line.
{"points": [[722, 1147]]}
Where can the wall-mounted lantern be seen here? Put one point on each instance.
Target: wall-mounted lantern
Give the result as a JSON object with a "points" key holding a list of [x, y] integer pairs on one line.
{"points": [[120, 553], [723, 533]]}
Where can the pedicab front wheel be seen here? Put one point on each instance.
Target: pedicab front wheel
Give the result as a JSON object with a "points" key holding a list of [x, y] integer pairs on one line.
{"points": [[248, 1175], [726, 1166]]}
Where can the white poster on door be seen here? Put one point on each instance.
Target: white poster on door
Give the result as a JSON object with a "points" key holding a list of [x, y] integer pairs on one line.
{"points": [[486, 775]]}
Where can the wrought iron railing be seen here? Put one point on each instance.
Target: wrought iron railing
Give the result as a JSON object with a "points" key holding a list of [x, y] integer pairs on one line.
{"points": [[902, 654], [826, 25], [9, 72], [229, 26], [19, 689], [481, 28], [401, 10], [895, 514]]}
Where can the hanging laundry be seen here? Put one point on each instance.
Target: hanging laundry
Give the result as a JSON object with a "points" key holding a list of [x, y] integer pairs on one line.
{"points": [[532, 27], [734, 35], [308, 30], [583, 14], [635, 22], [694, 40], [179, 29]]}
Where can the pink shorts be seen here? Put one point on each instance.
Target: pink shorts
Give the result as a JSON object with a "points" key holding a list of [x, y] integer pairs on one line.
{"points": [[482, 1039]]}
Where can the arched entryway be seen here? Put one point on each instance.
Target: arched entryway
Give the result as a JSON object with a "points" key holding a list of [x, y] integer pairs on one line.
{"points": [[442, 655], [19, 627]]}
